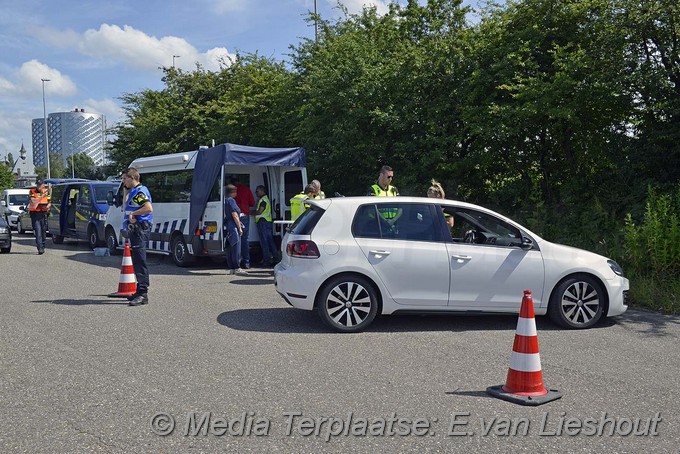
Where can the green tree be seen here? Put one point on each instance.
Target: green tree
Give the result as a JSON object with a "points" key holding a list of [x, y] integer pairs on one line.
{"points": [[384, 90], [83, 166], [6, 177], [246, 102]]}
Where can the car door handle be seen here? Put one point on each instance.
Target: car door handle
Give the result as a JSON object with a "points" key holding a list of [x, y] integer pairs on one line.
{"points": [[461, 257], [374, 252]]}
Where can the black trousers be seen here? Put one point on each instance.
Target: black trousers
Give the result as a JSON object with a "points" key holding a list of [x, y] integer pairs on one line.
{"points": [[138, 240]]}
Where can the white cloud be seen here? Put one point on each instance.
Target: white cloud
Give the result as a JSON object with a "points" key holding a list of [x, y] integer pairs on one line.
{"points": [[137, 49], [108, 107], [28, 80], [355, 6], [228, 6], [6, 85]]}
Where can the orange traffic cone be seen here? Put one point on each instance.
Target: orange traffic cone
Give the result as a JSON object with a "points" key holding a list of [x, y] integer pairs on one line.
{"points": [[524, 384], [127, 284]]}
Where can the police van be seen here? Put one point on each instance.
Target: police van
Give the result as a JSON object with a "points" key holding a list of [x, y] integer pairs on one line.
{"points": [[188, 192], [78, 210]]}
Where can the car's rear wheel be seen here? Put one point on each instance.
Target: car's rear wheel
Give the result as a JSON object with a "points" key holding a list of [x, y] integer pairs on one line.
{"points": [[577, 302], [348, 303], [6, 250], [57, 239]]}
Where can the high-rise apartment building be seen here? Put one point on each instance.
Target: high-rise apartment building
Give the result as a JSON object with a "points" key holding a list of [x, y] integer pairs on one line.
{"points": [[70, 133]]}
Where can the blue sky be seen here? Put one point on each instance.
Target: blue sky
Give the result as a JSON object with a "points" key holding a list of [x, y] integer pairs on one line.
{"points": [[93, 52]]}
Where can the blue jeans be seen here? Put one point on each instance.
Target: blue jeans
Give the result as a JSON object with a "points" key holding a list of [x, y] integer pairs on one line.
{"points": [[233, 251], [39, 223], [265, 230], [245, 245]]}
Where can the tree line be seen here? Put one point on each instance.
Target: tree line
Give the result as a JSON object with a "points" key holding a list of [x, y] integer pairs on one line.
{"points": [[562, 114]]}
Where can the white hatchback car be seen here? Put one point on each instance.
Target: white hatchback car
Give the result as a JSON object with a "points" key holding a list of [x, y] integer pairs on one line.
{"points": [[351, 258]]}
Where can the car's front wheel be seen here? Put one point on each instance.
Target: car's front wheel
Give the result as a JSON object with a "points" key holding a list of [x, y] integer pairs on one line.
{"points": [[577, 302], [111, 241], [348, 303], [180, 252]]}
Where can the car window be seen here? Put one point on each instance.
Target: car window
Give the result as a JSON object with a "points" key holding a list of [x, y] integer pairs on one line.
{"points": [[476, 227], [85, 197], [57, 193], [406, 221]]}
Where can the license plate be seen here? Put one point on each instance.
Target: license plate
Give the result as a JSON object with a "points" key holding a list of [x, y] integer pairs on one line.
{"points": [[211, 229]]}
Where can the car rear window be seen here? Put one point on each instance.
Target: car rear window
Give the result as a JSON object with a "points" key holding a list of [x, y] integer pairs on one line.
{"points": [[307, 221]]}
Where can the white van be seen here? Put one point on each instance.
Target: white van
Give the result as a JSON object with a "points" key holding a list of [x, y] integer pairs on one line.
{"points": [[188, 192], [11, 203]]}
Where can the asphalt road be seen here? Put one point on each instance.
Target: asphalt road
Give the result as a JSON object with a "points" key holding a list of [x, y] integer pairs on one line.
{"points": [[237, 370]]}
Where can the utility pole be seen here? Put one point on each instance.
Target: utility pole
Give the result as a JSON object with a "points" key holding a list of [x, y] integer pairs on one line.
{"points": [[316, 24], [47, 144]]}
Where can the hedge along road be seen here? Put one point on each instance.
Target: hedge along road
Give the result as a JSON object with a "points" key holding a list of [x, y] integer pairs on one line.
{"points": [[221, 363]]}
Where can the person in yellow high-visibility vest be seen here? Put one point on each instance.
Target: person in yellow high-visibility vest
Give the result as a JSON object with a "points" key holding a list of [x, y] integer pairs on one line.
{"points": [[384, 188], [297, 205], [263, 220], [318, 193]]}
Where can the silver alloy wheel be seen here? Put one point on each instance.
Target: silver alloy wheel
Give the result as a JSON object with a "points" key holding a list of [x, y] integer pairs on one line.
{"points": [[580, 303], [348, 304]]}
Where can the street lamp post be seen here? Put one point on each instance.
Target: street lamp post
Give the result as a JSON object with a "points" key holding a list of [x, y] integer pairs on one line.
{"points": [[73, 173], [173, 59], [316, 25], [47, 144]]}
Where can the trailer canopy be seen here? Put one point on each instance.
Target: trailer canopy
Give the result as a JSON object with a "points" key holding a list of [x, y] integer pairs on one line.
{"points": [[209, 161]]}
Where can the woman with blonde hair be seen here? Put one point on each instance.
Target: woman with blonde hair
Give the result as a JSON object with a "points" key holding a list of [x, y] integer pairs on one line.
{"points": [[436, 191]]}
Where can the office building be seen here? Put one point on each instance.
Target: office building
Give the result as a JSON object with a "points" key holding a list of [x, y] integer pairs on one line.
{"points": [[70, 133]]}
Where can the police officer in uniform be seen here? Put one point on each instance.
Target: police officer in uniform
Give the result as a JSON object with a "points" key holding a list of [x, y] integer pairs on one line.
{"points": [[138, 223], [297, 205], [263, 220], [38, 209], [384, 188]]}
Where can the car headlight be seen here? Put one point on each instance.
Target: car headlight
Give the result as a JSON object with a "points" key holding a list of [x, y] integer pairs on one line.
{"points": [[616, 268], [3, 230]]}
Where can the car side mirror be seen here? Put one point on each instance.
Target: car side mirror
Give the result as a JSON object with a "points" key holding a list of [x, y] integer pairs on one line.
{"points": [[22, 207], [526, 244]]}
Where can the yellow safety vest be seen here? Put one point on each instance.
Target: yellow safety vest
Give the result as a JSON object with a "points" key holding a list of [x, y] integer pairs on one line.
{"points": [[267, 212], [386, 213], [38, 200], [297, 207]]}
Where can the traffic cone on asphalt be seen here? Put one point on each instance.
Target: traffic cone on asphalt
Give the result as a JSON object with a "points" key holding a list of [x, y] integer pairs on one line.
{"points": [[127, 284], [524, 384]]}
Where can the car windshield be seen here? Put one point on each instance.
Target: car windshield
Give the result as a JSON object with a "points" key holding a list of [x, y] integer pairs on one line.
{"points": [[18, 199]]}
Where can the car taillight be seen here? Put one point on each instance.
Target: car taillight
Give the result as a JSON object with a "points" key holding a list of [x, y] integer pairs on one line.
{"points": [[302, 248]]}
